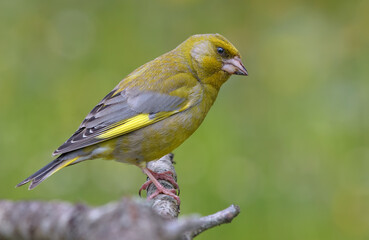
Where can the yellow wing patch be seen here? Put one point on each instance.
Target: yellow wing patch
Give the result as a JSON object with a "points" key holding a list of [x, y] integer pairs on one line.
{"points": [[134, 123], [137, 122], [68, 162]]}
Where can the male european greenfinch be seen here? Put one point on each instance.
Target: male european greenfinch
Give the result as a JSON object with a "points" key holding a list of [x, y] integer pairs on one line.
{"points": [[153, 110]]}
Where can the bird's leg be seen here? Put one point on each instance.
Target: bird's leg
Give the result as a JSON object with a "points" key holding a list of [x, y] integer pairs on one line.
{"points": [[160, 189]]}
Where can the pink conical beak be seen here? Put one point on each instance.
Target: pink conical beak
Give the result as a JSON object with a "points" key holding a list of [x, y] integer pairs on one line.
{"points": [[234, 66]]}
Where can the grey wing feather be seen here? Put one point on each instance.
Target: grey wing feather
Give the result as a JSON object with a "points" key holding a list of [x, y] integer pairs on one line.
{"points": [[152, 102], [114, 108]]}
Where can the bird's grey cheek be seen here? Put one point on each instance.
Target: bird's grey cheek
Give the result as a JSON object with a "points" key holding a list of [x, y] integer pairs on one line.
{"points": [[200, 50]]}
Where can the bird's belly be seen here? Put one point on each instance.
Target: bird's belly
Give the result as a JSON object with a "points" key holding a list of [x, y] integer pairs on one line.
{"points": [[158, 139]]}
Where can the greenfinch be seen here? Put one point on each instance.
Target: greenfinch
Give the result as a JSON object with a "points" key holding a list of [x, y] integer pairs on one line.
{"points": [[153, 110]]}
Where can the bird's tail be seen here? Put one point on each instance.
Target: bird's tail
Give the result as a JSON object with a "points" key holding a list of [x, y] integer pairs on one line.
{"points": [[47, 171]]}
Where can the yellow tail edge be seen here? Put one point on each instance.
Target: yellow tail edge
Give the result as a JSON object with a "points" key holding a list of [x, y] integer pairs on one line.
{"points": [[46, 172]]}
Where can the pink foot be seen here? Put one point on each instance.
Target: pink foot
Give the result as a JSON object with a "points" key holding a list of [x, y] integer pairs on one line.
{"points": [[167, 176]]}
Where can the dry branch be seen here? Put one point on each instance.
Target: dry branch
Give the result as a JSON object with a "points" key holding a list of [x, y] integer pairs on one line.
{"points": [[131, 218]]}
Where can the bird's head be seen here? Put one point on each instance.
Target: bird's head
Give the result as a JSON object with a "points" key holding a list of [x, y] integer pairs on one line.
{"points": [[211, 54]]}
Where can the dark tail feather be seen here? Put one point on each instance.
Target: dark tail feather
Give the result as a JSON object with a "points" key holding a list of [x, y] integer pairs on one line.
{"points": [[46, 172]]}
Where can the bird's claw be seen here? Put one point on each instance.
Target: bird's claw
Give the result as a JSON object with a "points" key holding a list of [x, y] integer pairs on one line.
{"points": [[167, 176], [168, 192]]}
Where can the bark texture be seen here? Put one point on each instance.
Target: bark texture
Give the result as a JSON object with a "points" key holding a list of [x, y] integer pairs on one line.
{"points": [[128, 219]]}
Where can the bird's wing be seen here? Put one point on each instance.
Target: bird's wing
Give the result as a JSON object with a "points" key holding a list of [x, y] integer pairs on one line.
{"points": [[126, 110]]}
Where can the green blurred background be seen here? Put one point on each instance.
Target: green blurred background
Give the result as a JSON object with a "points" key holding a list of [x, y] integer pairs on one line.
{"points": [[289, 143]]}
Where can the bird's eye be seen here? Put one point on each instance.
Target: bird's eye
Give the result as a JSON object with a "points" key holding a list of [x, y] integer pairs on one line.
{"points": [[220, 50]]}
